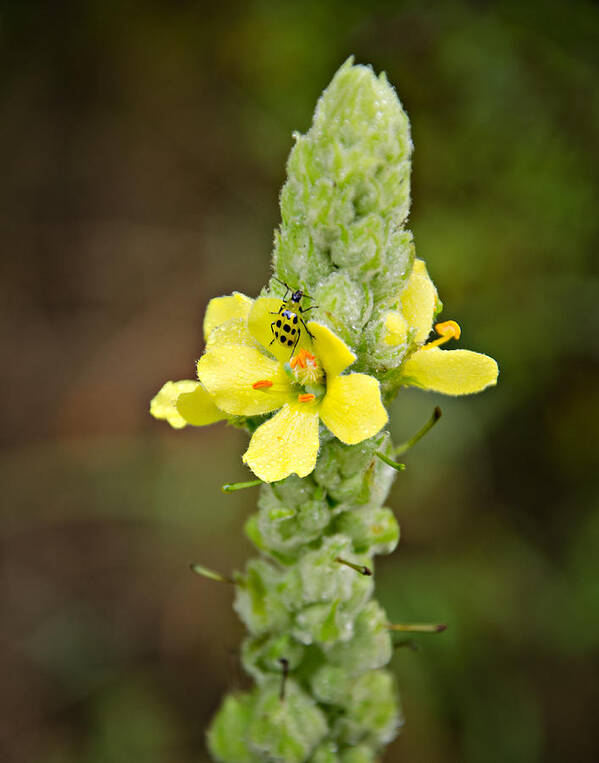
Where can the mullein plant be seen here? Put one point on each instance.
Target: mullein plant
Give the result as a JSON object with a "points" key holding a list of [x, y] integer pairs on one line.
{"points": [[310, 379]]}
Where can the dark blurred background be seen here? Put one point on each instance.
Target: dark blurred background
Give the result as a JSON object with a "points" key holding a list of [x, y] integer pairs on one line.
{"points": [[142, 151]]}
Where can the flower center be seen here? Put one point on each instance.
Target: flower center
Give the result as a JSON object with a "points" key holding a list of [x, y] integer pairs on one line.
{"points": [[446, 330], [305, 368]]}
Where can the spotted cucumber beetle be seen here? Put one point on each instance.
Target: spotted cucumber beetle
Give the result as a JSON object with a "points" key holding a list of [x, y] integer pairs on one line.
{"points": [[286, 327]]}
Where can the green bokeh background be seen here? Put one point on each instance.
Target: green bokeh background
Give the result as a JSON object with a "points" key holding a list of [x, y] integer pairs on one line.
{"points": [[142, 151]]}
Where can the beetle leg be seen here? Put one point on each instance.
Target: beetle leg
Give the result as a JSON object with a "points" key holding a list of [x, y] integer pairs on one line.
{"points": [[307, 329], [295, 345]]}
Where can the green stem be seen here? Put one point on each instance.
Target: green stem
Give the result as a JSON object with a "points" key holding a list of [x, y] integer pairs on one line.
{"points": [[231, 487], [401, 449], [393, 464], [419, 628]]}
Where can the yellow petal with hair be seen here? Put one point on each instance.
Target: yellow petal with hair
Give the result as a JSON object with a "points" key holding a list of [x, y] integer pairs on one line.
{"points": [[223, 309], [197, 408], [228, 372], [164, 404], [418, 301], [234, 331], [265, 313], [352, 408], [332, 353], [285, 444], [451, 372]]}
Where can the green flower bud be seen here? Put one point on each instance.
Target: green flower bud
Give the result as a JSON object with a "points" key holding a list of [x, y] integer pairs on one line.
{"points": [[323, 623], [370, 647], [261, 655], [372, 711], [227, 736], [291, 516], [257, 600], [372, 530], [360, 754], [285, 730], [326, 753], [331, 684], [352, 473]]}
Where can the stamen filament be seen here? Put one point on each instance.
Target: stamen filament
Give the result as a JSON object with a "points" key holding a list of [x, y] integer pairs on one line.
{"points": [[301, 358], [447, 330], [401, 449], [307, 397], [417, 628], [361, 568], [262, 384], [233, 486]]}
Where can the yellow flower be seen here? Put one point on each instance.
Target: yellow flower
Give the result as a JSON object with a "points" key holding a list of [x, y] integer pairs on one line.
{"points": [[187, 402], [451, 372], [243, 380], [238, 377]]}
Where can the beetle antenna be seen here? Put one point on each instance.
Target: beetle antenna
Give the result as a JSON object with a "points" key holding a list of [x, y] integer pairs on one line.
{"points": [[286, 285]]}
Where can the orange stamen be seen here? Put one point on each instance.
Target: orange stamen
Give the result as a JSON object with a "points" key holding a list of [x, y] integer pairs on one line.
{"points": [[301, 358], [262, 384], [446, 330], [306, 398]]}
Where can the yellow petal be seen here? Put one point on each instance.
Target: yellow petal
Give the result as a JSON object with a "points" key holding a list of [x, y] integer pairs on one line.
{"points": [[197, 407], [262, 321], [396, 329], [234, 331], [352, 408], [228, 372], [164, 404], [332, 353], [452, 372], [223, 309], [286, 444], [418, 302]]}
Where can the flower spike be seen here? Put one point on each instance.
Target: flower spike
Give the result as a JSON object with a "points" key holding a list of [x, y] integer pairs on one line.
{"points": [[313, 398]]}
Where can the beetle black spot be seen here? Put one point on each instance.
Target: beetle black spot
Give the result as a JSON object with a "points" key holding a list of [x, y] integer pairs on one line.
{"points": [[279, 324], [283, 340], [290, 342], [286, 327], [277, 334], [292, 332], [295, 318]]}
